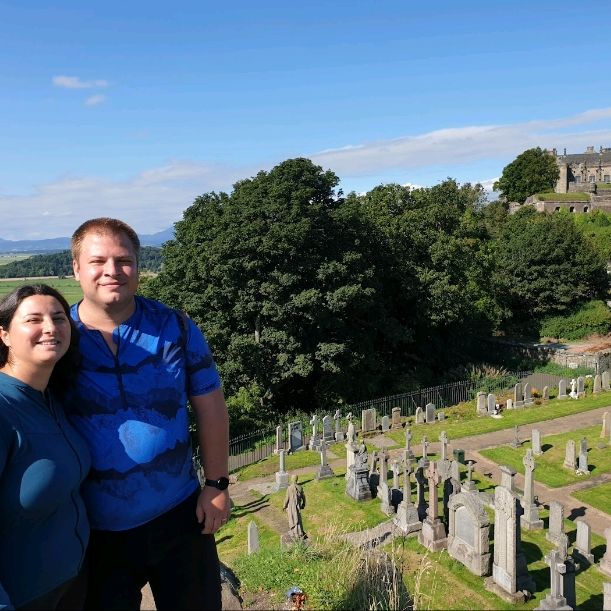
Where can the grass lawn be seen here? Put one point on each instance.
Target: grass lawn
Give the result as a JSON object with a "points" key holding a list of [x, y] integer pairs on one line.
{"points": [[68, 287], [564, 197], [597, 497], [549, 469]]}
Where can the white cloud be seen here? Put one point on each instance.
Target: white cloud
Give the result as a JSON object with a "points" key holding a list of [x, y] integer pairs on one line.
{"points": [[74, 82], [95, 100]]}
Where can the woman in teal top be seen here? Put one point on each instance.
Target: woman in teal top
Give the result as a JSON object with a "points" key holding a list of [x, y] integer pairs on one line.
{"points": [[43, 524]]}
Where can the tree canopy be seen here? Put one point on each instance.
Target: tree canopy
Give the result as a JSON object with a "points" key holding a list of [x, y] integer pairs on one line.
{"points": [[532, 171]]}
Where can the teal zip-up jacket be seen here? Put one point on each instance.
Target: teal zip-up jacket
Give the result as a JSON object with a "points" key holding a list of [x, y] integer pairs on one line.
{"points": [[44, 528]]}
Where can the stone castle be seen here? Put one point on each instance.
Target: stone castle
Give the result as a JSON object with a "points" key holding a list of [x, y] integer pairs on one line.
{"points": [[587, 175]]}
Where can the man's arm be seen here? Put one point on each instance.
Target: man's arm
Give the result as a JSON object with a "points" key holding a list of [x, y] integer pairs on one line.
{"points": [[213, 505]]}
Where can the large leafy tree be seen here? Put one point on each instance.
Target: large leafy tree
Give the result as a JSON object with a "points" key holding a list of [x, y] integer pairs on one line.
{"points": [[532, 171]]}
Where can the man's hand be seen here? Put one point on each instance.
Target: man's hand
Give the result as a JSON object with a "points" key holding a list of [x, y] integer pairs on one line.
{"points": [[213, 509]]}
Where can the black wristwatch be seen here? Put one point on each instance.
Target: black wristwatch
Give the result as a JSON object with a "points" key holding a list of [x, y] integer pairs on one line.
{"points": [[221, 483]]}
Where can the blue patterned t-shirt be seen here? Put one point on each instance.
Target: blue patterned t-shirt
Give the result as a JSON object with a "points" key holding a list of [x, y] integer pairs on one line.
{"points": [[132, 409]]}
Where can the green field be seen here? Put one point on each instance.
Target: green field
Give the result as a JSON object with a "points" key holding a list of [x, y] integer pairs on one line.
{"points": [[597, 497], [6, 258], [68, 287]]}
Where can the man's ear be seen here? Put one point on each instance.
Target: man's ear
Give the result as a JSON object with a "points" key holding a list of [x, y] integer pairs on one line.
{"points": [[75, 268]]}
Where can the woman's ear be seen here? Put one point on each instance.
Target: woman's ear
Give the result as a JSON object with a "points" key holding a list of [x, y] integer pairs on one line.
{"points": [[5, 336]]}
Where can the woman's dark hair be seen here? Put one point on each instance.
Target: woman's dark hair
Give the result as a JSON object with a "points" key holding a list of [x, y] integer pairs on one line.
{"points": [[65, 369]]}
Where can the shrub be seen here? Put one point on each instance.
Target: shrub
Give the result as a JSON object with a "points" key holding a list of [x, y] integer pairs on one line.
{"points": [[592, 317]]}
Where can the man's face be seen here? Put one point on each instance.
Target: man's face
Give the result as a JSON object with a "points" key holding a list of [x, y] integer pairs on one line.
{"points": [[107, 269]]}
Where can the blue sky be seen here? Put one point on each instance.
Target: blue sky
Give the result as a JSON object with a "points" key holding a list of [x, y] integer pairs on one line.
{"points": [[132, 109]]}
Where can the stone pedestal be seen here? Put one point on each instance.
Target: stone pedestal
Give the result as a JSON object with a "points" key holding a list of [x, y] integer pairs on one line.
{"points": [[530, 520], [433, 535], [357, 485], [282, 480], [385, 498], [324, 472], [407, 518]]}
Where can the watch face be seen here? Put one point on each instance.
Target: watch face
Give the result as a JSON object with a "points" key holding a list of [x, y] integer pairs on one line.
{"points": [[221, 483]]}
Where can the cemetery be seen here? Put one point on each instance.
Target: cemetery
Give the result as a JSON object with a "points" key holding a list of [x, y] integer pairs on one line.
{"points": [[487, 506]]}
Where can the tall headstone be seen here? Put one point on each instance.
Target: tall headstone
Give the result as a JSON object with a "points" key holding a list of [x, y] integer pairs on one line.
{"points": [[556, 560], [582, 551], [385, 424], [324, 471], [407, 514], [518, 400], [545, 393], [443, 440], [339, 434], [295, 436], [509, 404], [530, 519], [528, 399], [424, 461], [279, 444], [468, 533], [282, 477], [491, 404], [605, 563], [569, 455], [253, 537], [556, 522], [516, 443], [430, 413], [408, 442], [433, 534], [469, 485], [582, 458], [598, 386], [419, 416], [481, 404], [357, 485], [605, 381], [562, 389], [581, 387], [536, 442], [327, 429], [315, 438], [384, 493], [368, 420], [395, 474], [396, 417], [606, 427]]}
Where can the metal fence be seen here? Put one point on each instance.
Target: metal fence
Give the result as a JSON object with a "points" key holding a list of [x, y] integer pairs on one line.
{"points": [[252, 447]]}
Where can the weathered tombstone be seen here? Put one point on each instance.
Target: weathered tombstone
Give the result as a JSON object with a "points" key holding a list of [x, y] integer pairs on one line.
{"points": [[597, 384], [295, 436], [468, 533], [383, 490], [528, 400], [606, 428], [491, 404], [582, 459], [282, 477], [536, 442], [509, 404], [605, 381], [327, 429], [419, 416], [510, 578], [324, 471], [580, 387], [481, 403], [408, 442], [407, 513], [443, 440], [430, 413], [279, 444], [396, 417], [357, 485], [545, 393], [441, 416], [253, 537], [385, 424], [469, 485], [530, 519], [433, 534], [556, 522], [368, 420], [573, 393], [424, 461], [516, 443], [314, 439], [556, 560], [518, 396], [582, 552], [562, 389], [569, 455], [339, 434], [455, 470], [605, 563]]}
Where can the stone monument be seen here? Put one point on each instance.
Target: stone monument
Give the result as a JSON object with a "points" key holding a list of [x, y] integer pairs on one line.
{"points": [[295, 436], [324, 471], [282, 477], [433, 534], [407, 514], [357, 485], [530, 519]]}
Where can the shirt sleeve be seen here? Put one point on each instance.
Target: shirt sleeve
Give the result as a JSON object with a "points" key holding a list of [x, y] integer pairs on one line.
{"points": [[202, 375]]}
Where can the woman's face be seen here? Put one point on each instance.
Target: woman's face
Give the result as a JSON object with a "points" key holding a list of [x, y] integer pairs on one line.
{"points": [[39, 332]]}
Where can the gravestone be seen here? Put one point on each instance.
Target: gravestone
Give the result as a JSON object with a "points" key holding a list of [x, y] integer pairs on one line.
{"points": [[468, 533], [545, 393], [597, 384], [573, 393], [605, 381], [339, 434], [430, 413], [443, 440], [419, 416], [528, 400], [385, 424], [374, 475], [582, 459], [315, 438], [253, 537], [282, 477], [295, 436], [509, 404], [510, 576], [491, 404], [605, 563], [469, 485], [582, 551], [569, 455], [606, 428], [481, 404], [562, 389], [433, 534], [516, 443], [556, 522], [327, 429], [556, 560], [357, 485], [424, 461], [518, 400], [407, 514], [420, 484], [441, 416], [368, 420], [324, 471], [536, 442], [383, 490], [396, 417], [530, 519], [455, 470], [395, 475], [408, 442], [580, 387], [279, 445]]}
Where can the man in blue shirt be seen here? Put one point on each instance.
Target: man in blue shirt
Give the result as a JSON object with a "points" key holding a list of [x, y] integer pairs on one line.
{"points": [[142, 361]]}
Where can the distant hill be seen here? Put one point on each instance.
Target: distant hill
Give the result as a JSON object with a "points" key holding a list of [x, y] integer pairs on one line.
{"points": [[57, 244], [60, 264]]}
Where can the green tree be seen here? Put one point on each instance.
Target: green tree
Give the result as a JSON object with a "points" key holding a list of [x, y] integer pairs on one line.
{"points": [[532, 171]]}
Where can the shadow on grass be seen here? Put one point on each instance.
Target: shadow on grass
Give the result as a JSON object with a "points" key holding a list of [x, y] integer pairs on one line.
{"points": [[252, 507], [599, 552], [531, 551], [541, 578], [225, 538], [546, 446], [594, 602]]}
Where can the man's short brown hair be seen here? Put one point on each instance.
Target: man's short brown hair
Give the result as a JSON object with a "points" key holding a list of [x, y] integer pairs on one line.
{"points": [[103, 226]]}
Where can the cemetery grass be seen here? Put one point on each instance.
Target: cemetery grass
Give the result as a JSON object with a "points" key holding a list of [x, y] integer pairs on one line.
{"points": [[597, 496], [462, 421], [550, 470], [68, 287]]}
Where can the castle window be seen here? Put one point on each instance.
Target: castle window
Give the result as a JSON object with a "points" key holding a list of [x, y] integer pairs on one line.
{"points": [[592, 178], [572, 209], [607, 178]]}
